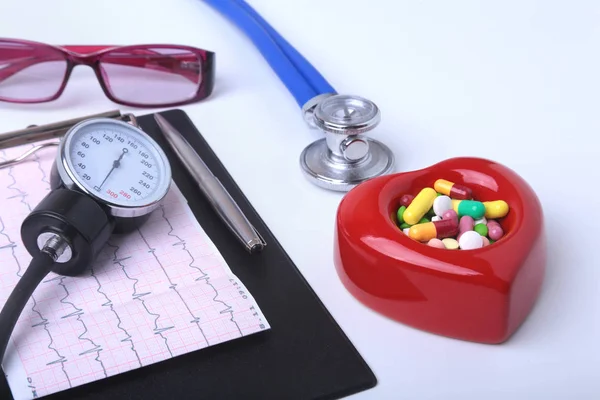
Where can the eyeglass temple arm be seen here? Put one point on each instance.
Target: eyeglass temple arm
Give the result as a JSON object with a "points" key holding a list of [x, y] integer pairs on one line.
{"points": [[27, 61]]}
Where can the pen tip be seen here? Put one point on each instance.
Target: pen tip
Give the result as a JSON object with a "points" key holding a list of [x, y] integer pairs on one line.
{"points": [[256, 247]]}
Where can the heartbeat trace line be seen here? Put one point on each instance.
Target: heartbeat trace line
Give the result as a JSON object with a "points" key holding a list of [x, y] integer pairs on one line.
{"points": [[204, 276], [110, 304], [43, 321], [79, 312], [196, 319], [140, 296]]}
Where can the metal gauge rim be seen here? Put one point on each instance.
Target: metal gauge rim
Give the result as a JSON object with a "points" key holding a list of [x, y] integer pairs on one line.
{"points": [[72, 181]]}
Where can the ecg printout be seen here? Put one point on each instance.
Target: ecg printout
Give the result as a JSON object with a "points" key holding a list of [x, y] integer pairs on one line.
{"points": [[157, 293]]}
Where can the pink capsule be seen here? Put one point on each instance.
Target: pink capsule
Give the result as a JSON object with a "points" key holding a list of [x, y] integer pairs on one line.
{"points": [[486, 241], [495, 231], [466, 224], [436, 243], [406, 200], [450, 214]]}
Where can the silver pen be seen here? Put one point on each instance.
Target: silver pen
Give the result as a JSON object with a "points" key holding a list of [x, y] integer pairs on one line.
{"points": [[212, 188]]}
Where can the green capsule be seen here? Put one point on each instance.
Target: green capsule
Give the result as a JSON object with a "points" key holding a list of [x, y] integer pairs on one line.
{"points": [[492, 241], [472, 208], [423, 220], [405, 225], [482, 229], [400, 213]]}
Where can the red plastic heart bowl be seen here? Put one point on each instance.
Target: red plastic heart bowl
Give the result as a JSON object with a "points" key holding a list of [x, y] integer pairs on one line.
{"points": [[480, 295]]}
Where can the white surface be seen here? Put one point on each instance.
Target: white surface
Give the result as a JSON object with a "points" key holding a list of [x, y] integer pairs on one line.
{"points": [[514, 81]]}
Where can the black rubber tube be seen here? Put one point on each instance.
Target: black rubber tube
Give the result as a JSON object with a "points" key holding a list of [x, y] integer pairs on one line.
{"points": [[38, 268]]}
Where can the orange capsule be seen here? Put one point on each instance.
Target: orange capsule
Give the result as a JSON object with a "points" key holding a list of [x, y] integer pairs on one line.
{"points": [[453, 190], [433, 230]]}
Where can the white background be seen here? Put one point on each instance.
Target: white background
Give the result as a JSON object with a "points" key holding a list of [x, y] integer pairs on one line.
{"points": [[514, 81]]}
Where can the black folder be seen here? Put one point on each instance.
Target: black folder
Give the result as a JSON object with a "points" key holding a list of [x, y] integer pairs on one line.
{"points": [[305, 354]]}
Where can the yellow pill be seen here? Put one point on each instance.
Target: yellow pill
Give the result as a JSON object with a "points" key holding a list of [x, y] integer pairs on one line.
{"points": [[451, 244], [495, 209], [420, 205]]}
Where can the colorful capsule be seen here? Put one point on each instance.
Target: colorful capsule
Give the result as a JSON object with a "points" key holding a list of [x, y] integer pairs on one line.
{"points": [[436, 218], [450, 214], [470, 240], [464, 225], [495, 231], [453, 190], [495, 209], [472, 208], [404, 226], [486, 241], [419, 206], [406, 200], [436, 243], [430, 230], [400, 213], [482, 229], [442, 204], [451, 244]]}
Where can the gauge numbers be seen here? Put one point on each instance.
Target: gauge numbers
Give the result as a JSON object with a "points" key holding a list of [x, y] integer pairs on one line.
{"points": [[117, 164]]}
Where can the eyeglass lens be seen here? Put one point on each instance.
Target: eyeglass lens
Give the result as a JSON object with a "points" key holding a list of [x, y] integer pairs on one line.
{"points": [[151, 75], [30, 73]]}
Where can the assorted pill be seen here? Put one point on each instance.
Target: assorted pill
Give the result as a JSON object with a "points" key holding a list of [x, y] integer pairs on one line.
{"points": [[452, 190], [424, 232], [472, 208], [470, 240], [448, 217], [436, 243], [442, 204], [419, 206], [495, 231], [450, 244], [482, 229], [465, 224], [495, 209], [406, 200]]}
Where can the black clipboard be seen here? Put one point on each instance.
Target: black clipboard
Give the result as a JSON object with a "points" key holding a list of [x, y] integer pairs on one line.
{"points": [[304, 357]]}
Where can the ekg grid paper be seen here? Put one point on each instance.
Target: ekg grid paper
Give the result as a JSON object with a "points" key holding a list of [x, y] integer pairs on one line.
{"points": [[154, 294]]}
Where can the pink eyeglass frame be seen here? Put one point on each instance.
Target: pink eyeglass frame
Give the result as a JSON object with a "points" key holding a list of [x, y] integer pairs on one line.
{"points": [[91, 56]]}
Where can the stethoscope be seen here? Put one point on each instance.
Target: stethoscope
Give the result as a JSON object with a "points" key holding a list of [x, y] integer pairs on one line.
{"points": [[107, 177], [345, 157]]}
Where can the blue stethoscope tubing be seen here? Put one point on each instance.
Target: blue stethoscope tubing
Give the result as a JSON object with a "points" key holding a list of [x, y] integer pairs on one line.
{"points": [[299, 76]]}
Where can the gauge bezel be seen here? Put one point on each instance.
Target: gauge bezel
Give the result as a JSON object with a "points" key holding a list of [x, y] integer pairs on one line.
{"points": [[72, 181]]}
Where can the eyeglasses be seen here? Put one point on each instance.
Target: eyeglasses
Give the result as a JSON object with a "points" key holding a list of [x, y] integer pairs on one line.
{"points": [[136, 76]]}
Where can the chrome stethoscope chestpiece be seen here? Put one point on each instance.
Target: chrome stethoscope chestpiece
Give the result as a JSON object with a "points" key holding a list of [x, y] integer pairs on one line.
{"points": [[345, 157]]}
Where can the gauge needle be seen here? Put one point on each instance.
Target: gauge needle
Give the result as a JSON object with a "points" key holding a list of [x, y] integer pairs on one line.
{"points": [[116, 164]]}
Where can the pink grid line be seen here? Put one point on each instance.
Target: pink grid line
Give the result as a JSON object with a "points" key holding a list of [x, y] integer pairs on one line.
{"points": [[151, 295]]}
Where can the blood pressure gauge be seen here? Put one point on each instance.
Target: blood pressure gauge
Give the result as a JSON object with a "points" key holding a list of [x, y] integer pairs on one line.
{"points": [[108, 177], [116, 164]]}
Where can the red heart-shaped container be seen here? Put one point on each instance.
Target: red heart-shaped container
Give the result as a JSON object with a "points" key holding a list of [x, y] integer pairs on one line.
{"points": [[480, 295]]}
